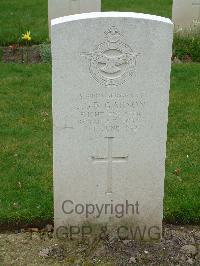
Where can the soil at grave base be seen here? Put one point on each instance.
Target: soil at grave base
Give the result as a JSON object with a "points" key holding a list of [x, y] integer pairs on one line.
{"points": [[20, 55], [179, 246], [16, 54], [16, 225]]}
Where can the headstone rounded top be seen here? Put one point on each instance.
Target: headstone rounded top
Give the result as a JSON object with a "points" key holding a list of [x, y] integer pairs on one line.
{"points": [[111, 80], [110, 15]]}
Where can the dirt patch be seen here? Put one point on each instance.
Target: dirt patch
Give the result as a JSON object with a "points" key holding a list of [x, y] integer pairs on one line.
{"points": [[12, 226], [21, 54], [179, 246], [186, 59], [33, 55]]}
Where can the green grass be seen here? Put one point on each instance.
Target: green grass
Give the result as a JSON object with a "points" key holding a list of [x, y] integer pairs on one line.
{"points": [[154, 7], [182, 202], [18, 16], [187, 44], [1, 53], [26, 145]]}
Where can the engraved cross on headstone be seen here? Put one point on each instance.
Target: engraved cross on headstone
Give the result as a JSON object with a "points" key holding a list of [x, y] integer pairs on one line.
{"points": [[197, 4], [110, 159]]}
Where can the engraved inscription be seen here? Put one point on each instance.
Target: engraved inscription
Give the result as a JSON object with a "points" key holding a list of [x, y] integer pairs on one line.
{"points": [[112, 62], [107, 114], [110, 159]]}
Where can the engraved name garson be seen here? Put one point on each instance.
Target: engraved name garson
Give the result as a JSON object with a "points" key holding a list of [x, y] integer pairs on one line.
{"points": [[106, 114]]}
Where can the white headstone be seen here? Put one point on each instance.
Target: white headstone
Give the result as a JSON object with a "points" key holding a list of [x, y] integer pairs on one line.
{"points": [[111, 79], [186, 13], [61, 8]]}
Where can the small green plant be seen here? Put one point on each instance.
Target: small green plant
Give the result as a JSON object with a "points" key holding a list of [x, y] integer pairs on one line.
{"points": [[1, 54], [187, 44], [26, 38], [45, 52]]}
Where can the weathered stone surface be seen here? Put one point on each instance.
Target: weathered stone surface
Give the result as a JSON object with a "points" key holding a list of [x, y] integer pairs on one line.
{"points": [[186, 13], [111, 78], [61, 8]]}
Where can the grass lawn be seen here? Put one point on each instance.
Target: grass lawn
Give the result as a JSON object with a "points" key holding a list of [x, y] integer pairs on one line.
{"points": [[26, 145], [182, 202], [154, 7], [17, 16]]}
